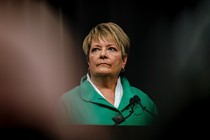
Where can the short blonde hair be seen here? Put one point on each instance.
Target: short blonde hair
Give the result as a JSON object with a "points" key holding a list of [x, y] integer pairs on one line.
{"points": [[108, 30]]}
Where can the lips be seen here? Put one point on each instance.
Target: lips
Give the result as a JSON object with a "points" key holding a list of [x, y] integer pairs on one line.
{"points": [[103, 64]]}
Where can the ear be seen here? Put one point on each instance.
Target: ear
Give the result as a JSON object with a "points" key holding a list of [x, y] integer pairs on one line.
{"points": [[124, 60], [87, 59], [88, 64]]}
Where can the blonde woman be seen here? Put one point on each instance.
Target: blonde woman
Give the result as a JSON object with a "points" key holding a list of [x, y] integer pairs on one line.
{"points": [[104, 96]]}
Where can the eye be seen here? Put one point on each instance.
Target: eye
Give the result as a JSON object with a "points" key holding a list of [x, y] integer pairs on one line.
{"points": [[95, 49], [112, 49]]}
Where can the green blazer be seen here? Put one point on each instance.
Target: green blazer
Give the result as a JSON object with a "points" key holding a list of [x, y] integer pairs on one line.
{"points": [[83, 105]]}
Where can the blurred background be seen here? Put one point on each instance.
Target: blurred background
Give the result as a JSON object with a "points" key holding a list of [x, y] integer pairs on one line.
{"points": [[169, 57]]}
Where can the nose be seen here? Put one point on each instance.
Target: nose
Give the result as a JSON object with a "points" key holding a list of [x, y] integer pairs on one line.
{"points": [[103, 53]]}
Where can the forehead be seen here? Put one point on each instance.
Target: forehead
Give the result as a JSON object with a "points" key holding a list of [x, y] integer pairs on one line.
{"points": [[103, 40]]}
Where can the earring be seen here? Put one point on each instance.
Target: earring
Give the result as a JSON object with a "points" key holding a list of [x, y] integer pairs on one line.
{"points": [[123, 69]]}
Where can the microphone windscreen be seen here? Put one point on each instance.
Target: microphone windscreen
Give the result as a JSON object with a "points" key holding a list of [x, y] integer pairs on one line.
{"points": [[137, 99], [132, 101], [118, 118]]}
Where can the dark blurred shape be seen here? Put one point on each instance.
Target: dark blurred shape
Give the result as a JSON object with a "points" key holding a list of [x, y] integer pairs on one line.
{"points": [[37, 65]]}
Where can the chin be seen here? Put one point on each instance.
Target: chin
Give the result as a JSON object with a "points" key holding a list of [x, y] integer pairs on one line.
{"points": [[104, 74]]}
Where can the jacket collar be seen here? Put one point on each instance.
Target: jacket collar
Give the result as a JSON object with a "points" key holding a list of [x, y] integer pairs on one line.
{"points": [[89, 94]]}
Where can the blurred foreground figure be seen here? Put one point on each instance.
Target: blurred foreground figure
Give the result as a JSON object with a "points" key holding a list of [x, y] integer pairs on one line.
{"points": [[36, 61]]}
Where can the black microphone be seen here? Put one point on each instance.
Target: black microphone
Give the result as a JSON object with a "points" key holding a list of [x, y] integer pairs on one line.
{"points": [[132, 103], [138, 101], [119, 117]]}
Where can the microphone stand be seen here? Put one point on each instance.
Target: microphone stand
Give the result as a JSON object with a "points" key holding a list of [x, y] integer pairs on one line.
{"points": [[119, 118]]}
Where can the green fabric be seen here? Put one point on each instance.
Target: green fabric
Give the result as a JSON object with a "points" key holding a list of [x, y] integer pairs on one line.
{"points": [[83, 105]]}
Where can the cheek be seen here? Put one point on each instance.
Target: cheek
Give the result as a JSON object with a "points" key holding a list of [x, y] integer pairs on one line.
{"points": [[91, 62], [92, 57], [118, 64], [119, 61]]}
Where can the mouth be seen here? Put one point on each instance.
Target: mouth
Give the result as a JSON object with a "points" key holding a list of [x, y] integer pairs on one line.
{"points": [[106, 64]]}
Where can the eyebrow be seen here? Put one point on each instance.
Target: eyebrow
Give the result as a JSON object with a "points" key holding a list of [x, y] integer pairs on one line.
{"points": [[110, 44]]}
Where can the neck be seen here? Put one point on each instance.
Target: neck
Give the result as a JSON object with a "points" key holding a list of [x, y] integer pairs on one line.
{"points": [[106, 86], [104, 82]]}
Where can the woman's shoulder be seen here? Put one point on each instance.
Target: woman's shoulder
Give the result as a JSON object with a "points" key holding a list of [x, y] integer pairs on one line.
{"points": [[134, 89], [144, 99], [138, 91]]}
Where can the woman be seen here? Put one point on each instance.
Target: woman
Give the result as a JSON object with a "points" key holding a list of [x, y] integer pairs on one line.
{"points": [[104, 96]]}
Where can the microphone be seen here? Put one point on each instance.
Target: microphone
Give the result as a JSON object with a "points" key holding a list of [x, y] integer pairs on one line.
{"points": [[119, 117], [138, 101], [132, 103]]}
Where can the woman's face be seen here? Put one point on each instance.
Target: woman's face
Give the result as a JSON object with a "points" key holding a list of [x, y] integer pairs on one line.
{"points": [[105, 58]]}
